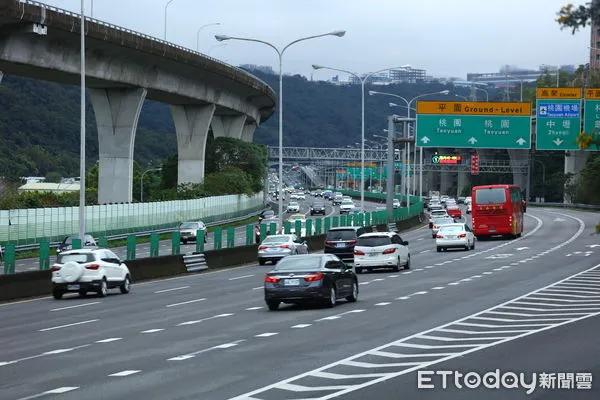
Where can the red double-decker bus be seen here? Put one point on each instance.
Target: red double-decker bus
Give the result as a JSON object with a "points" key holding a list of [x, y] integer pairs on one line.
{"points": [[497, 210]]}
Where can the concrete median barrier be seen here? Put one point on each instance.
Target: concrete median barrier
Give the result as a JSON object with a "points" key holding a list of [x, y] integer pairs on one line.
{"points": [[25, 284], [144, 269], [224, 258]]}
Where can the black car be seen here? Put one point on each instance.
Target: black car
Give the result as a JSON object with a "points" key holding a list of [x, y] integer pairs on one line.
{"points": [[67, 243], [341, 241], [309, 278], [317, 207]]}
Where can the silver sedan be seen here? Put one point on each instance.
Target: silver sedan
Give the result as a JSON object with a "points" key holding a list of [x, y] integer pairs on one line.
{"points": [[275, 247]]}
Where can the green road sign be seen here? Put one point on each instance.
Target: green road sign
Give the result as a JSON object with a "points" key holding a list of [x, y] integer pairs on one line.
{"points": [[558, 118], [482, 125], [591, 121]]}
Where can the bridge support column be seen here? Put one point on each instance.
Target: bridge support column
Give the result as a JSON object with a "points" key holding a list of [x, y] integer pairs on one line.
{"points": [[446, 182], [519, 160], [117, 112], [248, 132], [464, 182], [228, 126], [191, 125], [574, 162]]}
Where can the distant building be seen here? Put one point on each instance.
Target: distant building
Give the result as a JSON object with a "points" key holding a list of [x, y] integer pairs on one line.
{"points": [[49, 187], [511, 76], [595, 47], [408, 75]]}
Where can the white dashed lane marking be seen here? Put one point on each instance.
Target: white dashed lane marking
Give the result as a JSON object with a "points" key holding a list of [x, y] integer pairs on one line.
{"points": [[172, 289], [267, 334], [125, 373], [152, 331], [184, 303], [301, 326], [114, 339], [77, 306], [68, 325]]}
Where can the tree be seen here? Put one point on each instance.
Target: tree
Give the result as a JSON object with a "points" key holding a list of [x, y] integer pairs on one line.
{"points": [[574, 18]]}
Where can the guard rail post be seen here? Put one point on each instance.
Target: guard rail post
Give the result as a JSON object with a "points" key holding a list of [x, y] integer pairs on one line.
{"points": [[318, 226], [298, 228], [230, 237], [327, 224], [131, 247], [336, 221], [154, 240], [76, 244], [200, 237], [273, 228], [367, 219], [9, 259], [249, 235], [175, 243], [343, 220], [218, 238], [44, 256], [263, 232], [309, 227], [287, 227]]}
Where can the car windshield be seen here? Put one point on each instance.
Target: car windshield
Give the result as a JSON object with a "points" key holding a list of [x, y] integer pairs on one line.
{"points": [[347, 202], [276, 239], [300, 263], [490, 196], [77, 257], [374, 241], [438, 212], [190, 225], [293, 204], [442, 221], [451, 228], [318, 204], [341, 235]]}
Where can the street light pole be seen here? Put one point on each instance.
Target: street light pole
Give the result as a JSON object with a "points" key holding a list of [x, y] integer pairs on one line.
{"points": [[142, 181], [363, 81], [166, 6], [198, 35], [221, 38], [82, 129]]}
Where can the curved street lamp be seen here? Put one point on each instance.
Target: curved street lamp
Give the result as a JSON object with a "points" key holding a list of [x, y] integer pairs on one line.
{"points": [[198, 34], [212, 47], [280, 53], [142, 181], [166, 7], [363, 79]]}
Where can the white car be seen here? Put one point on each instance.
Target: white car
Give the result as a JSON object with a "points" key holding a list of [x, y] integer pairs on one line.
{"points": [[469, 208], [293, 207], [347, 206], [455, 236], [381, 250], [438, 222], [89, 270], [468, 200], [396, 203], [436, 213], [300, 196]]}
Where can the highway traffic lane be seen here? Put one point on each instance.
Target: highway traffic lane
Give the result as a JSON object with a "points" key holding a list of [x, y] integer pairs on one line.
{"points": [[278, 343], [362, 296]]}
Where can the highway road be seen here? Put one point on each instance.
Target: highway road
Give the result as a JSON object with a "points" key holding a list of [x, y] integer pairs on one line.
{"points": [[529, 305], [143, 249]]}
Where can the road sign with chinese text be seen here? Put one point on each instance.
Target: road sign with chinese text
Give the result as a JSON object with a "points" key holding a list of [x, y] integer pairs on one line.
{"points": [[558, 118], [446, 159], [475, 164], [591, 121], [486, 125]]}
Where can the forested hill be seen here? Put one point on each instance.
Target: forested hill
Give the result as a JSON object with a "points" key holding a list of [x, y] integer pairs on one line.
{"points": [[39, 122]]}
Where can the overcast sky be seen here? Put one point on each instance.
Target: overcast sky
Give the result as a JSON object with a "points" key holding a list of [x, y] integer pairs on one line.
{"points": [[448, 38]]}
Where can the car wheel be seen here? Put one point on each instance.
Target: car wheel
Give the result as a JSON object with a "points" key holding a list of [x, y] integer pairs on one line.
{"points": [[396, 267], [184, 241], [358, 270], [473, 245], [407, 265], [57, 294], [273, 305], [261, 261], [103, 290], [354, 296], [439, 249], [332, 300], [126, 285]]}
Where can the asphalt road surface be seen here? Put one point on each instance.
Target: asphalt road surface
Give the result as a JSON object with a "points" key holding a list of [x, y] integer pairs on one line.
{"points": [[143, 249], [528, 305]]}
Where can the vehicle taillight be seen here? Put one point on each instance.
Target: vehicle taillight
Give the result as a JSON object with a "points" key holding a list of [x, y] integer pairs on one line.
{"points": [[351, 242], [93, 266], [262, 247], [284, 246], [329, 242], [438, 236], [359, 253], [316, 276], [389, 251], [271, 279], [55, 267], [462, 235]]}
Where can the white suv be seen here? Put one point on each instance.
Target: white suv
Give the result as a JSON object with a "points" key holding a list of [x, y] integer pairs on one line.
{"points": [[381, 250], [89, 270]]}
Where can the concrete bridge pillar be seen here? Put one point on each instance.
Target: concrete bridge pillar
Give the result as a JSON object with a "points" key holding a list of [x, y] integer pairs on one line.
{"points": [[446, 182], [464, 182], [248, 132], [228, 126], [574, 162], [191, 125], [117, 112], [518, 162]]}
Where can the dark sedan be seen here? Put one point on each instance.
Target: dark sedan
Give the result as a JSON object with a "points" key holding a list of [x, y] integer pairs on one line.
{"points": [[308, 278]]}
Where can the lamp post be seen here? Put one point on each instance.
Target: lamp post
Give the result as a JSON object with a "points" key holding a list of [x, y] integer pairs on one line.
{"points": [[221, 38], [166, 7], [142, 181], [462, 97], [212, 47], [408, 103], [487, 95], [363, 81], [512, 78], [82, 128], [414, 184], [198, 35]]}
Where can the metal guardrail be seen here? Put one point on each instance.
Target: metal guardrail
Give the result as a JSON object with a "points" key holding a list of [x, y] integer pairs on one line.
{"points": [[566, 205], [35, 246], [195, 262]]}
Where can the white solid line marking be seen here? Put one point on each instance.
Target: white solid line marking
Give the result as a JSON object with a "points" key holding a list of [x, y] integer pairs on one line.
{"points": [[267, 334], [259, 287], [240, 277], [126, 372], [78, 305], [60, 390], [253, 308], [383, 304], [438, 288], [170, 290], [114, 339], [152, 331], [185, 302], [68, 325], [301, 325]]}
